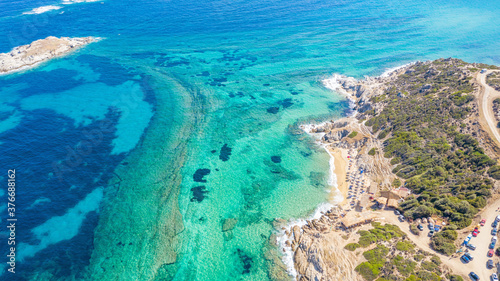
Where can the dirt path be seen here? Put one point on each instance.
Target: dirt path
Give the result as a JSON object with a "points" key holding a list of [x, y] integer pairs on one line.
{"points": [[486, 114], [422, 241], [482, 241]]}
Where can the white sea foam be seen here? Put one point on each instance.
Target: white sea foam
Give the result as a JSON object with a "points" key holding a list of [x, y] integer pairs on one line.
{"points": [[281, 237], [67, 2], [333, 83], [389, 71], [42, 9], [332, 178], [61, 228]]}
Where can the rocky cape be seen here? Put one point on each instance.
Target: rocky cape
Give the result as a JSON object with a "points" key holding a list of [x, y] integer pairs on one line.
{"points": [[28, 56], [315, 249]]}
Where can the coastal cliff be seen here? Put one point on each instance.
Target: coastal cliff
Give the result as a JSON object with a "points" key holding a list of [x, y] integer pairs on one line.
{"points": [[417, 132], [28, 56]]}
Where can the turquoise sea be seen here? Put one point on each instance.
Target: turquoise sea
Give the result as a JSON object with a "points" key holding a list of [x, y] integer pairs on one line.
{"points": [[133, 154]]}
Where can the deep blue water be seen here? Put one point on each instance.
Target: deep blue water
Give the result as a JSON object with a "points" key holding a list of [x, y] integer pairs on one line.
{"points": [[66, 125]]}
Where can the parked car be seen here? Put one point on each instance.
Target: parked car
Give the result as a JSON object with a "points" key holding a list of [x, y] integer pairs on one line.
{"points": [[465, 259], [420, 227], [494, 231], [494, 224], [494, 277], [483, 222], [469, 256], [494, 239], [475, 233], [401, 218], [489, 264], [472, 247], [397, 212], [437, 228], [492, 245], [490, 253], [497, 218], [431, 233], [474, 276], [431, 226]]}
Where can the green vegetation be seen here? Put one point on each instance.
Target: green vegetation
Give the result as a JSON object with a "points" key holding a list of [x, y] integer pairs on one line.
{"points": [[376, 260], [494, 172], [372, 152], [390, 259], [352, 246], [455, 278], [353, 134], [414, 229], [396, 182], [443, 241], [497, 251], [493, 79], [379, 233], [447, 169], [405, 246]]}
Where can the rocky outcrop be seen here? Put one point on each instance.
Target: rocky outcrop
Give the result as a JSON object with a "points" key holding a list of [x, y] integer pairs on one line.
{"points": [[30, 55], [334, 136]]}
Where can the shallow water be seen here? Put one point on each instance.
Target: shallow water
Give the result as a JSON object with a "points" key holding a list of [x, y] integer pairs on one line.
{"points": [[210, 95]]}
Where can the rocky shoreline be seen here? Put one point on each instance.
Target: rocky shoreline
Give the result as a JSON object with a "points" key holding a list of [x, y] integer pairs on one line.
{"points": [[314, 248], [29, 56]]}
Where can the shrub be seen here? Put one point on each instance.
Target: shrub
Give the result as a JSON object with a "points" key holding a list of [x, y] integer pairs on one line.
{"points": [[414, 229], [494, 172], [353, 134], [372, 152], [396, 182], [368, 270], [497, 251], [455, 278], [352, 246], [405, 246], [442, 244]]}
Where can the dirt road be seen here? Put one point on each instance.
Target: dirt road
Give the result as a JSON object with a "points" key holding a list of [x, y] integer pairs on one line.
{"points": [[422, 241], [486, 114], [482, 241]]}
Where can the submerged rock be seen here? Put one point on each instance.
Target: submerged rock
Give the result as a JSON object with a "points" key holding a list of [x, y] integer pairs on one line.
{"points": [[273, 109], [198, 193], [200, 174], [225, 152], [229, 224], [286, 103], [276, 159]]}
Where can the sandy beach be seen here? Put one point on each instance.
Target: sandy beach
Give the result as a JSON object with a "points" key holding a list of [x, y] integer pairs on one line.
{"points": [[340, 163]]}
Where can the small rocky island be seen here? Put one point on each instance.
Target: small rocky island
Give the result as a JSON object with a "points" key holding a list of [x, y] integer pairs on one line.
{"points": [[28, 56]]}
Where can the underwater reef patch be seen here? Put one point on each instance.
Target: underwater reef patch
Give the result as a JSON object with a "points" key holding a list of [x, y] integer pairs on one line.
{"points": [[200, 174], [225, 152], [198, 193], [273, 109], [245, 260], [276, 159]]}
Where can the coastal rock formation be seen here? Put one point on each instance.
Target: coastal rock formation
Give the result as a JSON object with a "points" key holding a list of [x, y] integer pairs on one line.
{"points": [[424, 110], [318, 251], [28, 56]]}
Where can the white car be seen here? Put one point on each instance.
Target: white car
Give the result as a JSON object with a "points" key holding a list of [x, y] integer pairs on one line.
{"points": [[494, 239], [498, 218], [494, 277]]}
